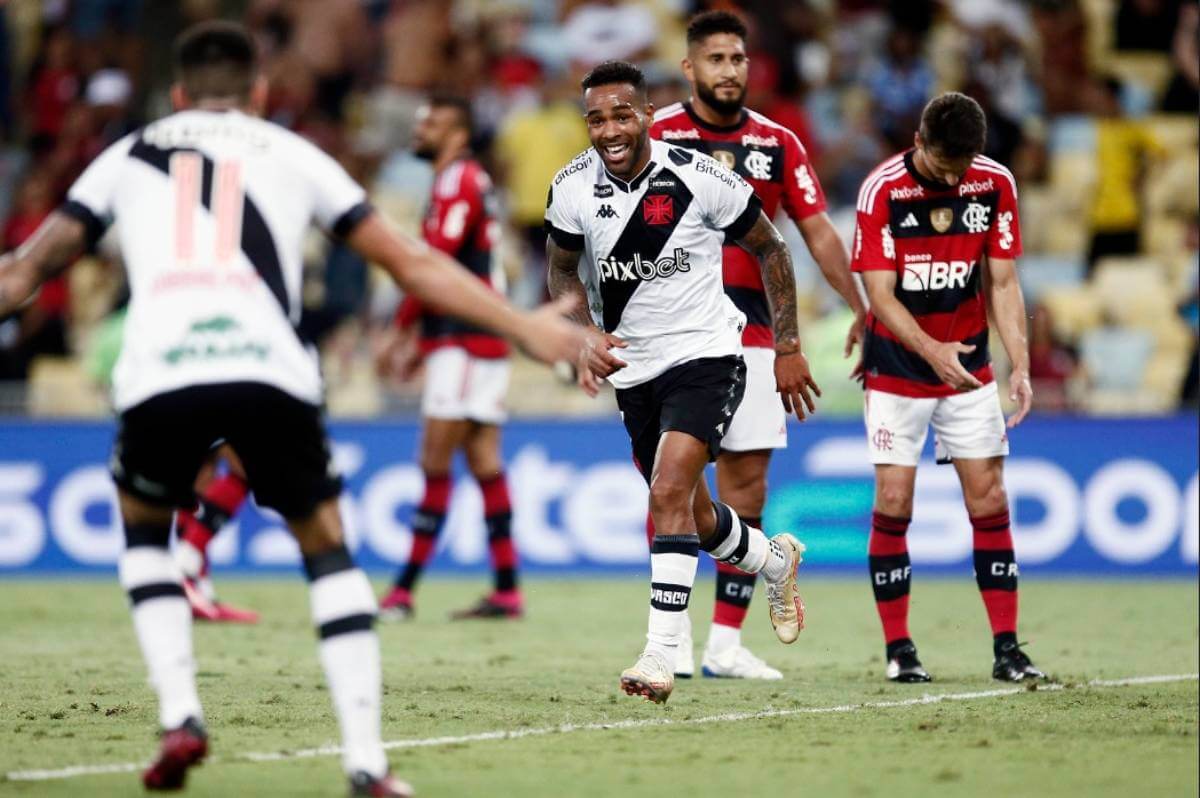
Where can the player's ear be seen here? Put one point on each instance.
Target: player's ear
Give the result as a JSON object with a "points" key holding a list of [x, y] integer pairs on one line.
{"points": [[179, 98], [689, 71], [649, 111], [917, 139], [260, 89]]}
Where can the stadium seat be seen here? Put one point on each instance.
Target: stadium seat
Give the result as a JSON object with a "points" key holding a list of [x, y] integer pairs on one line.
{"points": [[1074, 310], [1175, 132], [1040, 273], [59, 386], [1116, 358], [1072, 133], [1147, 71]]}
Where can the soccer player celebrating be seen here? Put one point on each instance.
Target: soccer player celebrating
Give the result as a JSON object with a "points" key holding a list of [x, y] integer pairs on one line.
{"points": [[936, 244], [773, 161], [211, 206], [652, 218], [466, 367]]}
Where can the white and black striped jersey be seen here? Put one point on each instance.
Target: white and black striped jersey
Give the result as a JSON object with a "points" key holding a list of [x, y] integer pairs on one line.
{"points": [[653, 253], [211, 209]]}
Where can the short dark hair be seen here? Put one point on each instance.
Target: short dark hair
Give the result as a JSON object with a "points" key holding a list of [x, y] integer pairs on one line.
{"points": [[611, 72], [954, 125], [215, 59], [458, 103], [704, 25]]}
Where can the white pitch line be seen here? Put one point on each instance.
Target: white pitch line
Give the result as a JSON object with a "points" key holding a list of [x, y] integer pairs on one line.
{"points": [[568, 728]]}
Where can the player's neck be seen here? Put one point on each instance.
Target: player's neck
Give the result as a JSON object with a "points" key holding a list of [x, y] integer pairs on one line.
{"points": [[714, 117], [448, 157]]}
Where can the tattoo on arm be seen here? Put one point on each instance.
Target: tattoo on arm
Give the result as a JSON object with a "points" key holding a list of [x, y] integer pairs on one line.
{"points": [[562, 277], [779, 280]]}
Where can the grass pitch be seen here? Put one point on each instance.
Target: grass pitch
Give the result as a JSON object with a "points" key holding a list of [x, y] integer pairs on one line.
{"points": [[73, 692]]}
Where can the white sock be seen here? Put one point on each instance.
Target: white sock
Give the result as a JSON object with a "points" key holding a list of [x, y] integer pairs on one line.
{"points": [[722, 638], [775, 565], [746, 547], [673, 561], [163, 622], [343, 608], [189, 559]]}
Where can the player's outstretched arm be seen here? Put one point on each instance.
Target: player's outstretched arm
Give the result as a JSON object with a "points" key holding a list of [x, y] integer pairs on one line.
{"points": [[594, 361], [1007, 305], [439, 282], [793, 379], [942, 356], [832, 257], [48, 251]]}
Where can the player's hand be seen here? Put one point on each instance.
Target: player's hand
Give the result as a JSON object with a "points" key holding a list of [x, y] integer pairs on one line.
{"points": [[1021, 392], [795, 384], [596, 361], [398, 355], [546, 336], [859, 372], [943, 357], [856, 335]]}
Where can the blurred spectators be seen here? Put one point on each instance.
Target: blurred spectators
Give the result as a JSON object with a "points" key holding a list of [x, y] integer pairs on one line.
{"points": [[1051, 364], [1183, 92], [900, 84]]}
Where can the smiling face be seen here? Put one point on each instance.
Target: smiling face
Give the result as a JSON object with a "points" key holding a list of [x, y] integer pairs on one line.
{"points": [[618, 122], [718, 69]]}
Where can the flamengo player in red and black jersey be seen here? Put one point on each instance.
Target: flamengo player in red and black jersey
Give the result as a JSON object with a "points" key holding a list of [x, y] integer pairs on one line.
{"points": [[466, 367], [771, 158], [936, 244]]}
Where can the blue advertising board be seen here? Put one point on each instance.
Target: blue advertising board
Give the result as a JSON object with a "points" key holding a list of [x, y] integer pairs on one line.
{"points": [[1090, 496]]}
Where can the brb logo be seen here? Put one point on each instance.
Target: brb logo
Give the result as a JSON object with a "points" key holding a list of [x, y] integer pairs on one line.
{"points": [[638, 269], [936, 275]]}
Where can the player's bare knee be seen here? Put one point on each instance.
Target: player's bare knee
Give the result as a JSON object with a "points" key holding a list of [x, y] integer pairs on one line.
{"points": [[894, 500], [320, 531], [989, 500], [670, 499]]}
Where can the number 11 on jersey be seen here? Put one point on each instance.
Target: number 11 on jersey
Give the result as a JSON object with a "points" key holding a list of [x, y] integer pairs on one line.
{"points": [[227, 195]]}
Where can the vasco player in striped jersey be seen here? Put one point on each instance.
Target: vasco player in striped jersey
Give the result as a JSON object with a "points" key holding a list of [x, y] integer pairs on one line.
{"points": [[211, 206], [466, 366], [773, 161], [936, 244]]}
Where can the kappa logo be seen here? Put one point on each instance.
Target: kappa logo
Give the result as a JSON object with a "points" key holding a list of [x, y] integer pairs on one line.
{"points": [[602, 191], [758, 164], [910, 220], [606, 212], [658, 209]]}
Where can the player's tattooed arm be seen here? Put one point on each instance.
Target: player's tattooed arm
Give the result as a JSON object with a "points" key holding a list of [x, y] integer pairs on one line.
{"points": [[48, 251], [793, 379], [596, 360]]}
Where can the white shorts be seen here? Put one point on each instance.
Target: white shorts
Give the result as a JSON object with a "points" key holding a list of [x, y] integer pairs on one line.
{"points": [[759, 422], [966, 426], [461, 387]]}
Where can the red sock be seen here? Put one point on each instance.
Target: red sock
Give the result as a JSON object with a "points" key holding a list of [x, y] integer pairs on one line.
{"points": [[497, 515], [996, 571], [891, 574], [219, 502], [427, 524]]}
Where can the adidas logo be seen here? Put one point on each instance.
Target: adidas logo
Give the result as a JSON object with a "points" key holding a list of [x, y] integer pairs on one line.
{"points": [[909, 221], [607, 212]]}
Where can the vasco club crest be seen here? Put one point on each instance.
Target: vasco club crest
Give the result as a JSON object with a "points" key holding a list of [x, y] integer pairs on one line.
{"points": [[658, 209]]}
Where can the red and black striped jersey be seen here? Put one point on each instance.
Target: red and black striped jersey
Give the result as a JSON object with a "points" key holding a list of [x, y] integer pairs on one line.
{"points": [[935, 240], [461, 222], [773, 161]]}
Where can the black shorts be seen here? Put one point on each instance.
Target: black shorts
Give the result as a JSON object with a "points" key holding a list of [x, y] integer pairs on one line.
{"points": [[163, 442], [698, 397]]}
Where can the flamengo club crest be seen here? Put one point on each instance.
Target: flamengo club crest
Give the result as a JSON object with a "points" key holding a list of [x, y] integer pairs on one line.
{"points": [[882, 439], [658, 209], [941, 219]]}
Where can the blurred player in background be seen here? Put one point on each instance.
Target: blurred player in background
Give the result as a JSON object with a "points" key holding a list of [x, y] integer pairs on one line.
{"points": [[770, 158], [466, 367], [211, 206], [652, 218], [936, 244]]}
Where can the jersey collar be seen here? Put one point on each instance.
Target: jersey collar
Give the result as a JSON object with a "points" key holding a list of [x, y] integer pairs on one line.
{"points": [[632, 185], [921, 179], [742, 117]]}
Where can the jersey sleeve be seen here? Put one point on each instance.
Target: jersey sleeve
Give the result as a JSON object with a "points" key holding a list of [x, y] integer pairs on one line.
{"points": [[874, 247], [455, 210], [339, 203], [90, 198], [726, 200], [802, 194], [1004, 237], [563, 222]]}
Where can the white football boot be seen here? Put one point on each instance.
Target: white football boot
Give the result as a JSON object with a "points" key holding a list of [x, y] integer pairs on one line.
{"points": [[650, 677], [736, 662], [783, 597]]}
